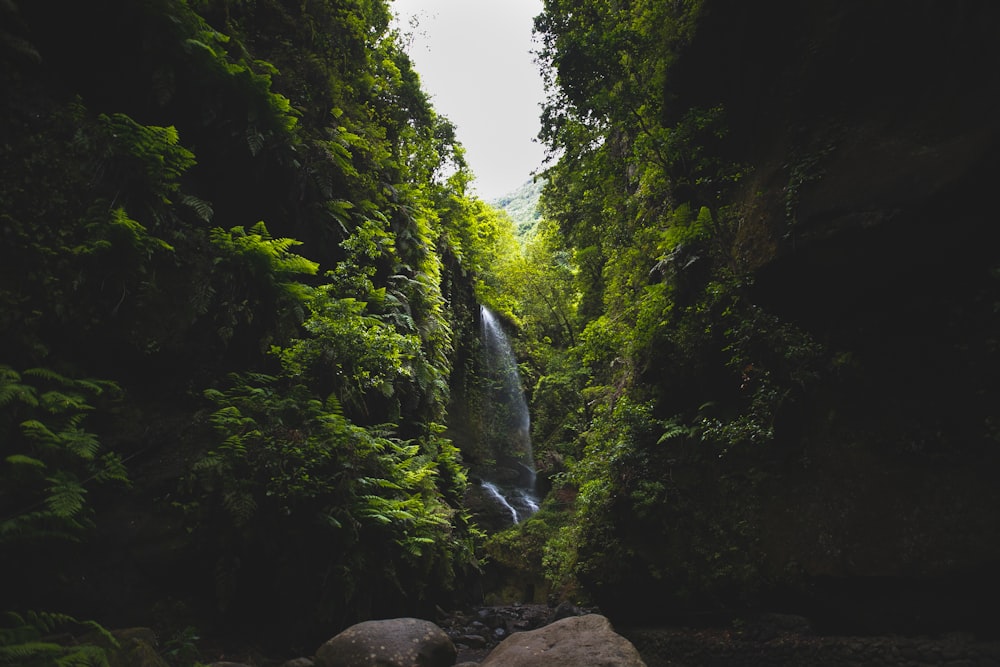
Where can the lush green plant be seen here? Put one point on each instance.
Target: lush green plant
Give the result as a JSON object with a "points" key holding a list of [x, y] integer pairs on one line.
{"points": [[39, 639], [285, 458], [49, 457]]}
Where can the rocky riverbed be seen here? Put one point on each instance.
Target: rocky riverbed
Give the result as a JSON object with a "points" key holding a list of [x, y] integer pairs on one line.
{"points": [[682, 647], [770, 640]]}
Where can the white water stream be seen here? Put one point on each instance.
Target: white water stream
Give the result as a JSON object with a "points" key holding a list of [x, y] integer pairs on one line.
{"points": [[516, 493]]}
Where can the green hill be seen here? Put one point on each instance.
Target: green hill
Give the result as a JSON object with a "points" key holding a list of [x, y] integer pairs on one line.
{"points": [[522, 205]]}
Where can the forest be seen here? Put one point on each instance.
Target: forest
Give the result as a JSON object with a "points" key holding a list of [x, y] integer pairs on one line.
{"points": [[244, 288]]}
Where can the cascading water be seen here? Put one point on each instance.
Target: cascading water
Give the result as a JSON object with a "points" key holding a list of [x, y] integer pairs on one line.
{"points": [[508, 426], [501, 499]]}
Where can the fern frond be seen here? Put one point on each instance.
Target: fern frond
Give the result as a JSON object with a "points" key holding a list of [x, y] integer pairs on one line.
{"points": [[17, 392], [38, 431], [57, 402], [23, 460], [81, 443], [24, 641], [209, 462], [333, 405], [49, 374], [240, 505], [260, 229], [255, 139], [66, 496], [29, 653], [37, 526], [671, 431], [202, 208], [86, 655]]}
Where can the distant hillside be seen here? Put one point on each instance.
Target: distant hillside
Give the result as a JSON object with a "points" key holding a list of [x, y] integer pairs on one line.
{"points": [[522, 205]]}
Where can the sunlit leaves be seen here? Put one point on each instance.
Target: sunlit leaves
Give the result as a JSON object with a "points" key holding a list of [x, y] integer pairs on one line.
{"points": [[350, 351], [148, 159]]}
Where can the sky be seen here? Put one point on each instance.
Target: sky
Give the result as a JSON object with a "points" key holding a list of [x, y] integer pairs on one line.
{"points": [[474, 60]]}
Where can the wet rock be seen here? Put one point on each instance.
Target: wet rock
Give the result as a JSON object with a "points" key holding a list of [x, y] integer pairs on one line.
{"points": [[566, 609], [398, 642], [570, 642], [472, 641], [299, 662]]}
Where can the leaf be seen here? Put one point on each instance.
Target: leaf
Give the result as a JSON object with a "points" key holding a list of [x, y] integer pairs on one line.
{"points": [[240, 504], [201, 207], [36, 430], [80, 442], [48, 374], [66, 495], [21, 459], [255, 139], [673, 431]]}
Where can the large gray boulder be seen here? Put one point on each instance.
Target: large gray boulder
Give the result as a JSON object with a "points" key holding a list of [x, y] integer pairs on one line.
{"points": [[397, 642], [578, 641]]}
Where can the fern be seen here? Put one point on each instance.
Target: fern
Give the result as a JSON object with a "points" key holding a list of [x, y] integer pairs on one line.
{"points": [[255, 139], [29, 653], [38, 431], [202, 208], [83, 656], [81, 443], [240, 505], [65, 496], [21, 459], [35, 526], [49, 375], [51, 455], [11, 389], [25, 641], [673, 430]]}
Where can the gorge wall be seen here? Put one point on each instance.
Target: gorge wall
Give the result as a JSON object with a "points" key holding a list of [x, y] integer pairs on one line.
{"points": [[872, 134]]}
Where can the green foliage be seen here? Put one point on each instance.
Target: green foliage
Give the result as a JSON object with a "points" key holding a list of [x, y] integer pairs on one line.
{"points": [[350, 351], [132, 179], [181, 649], [259, 270], [291, 462], [522, 207], [47, 639], [148, 161], [49, 458], [672, 383]]}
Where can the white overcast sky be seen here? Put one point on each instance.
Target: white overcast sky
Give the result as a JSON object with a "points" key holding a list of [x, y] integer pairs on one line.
{"points": [[474, 60]]}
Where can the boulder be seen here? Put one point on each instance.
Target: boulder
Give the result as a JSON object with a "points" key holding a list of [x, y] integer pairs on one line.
{"points": [[581, 641], [398, 642], [299, 662]]}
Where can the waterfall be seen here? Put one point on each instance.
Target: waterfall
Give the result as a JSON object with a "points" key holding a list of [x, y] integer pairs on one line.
{"points": [[494, 492], [507, 423]]}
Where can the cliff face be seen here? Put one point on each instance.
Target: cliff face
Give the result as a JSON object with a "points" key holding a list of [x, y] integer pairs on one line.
{"points": [[869, 221]]}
